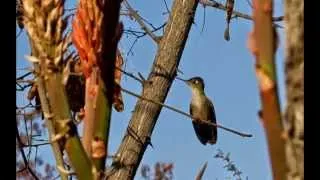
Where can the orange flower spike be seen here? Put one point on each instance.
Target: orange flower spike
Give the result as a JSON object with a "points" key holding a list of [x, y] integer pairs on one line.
{"points": [[85, 69], [255, 4], [81, 51], [92, 58], [83, 17], [81, 36], [86, 21], [97, 40], [96, 12], [90, 10], [83, 5]]}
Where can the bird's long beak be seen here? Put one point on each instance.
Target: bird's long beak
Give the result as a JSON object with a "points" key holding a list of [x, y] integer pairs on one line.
{"points": [[186, 81]]}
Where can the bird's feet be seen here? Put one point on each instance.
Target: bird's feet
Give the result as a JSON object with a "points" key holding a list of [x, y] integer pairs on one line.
{"points": [[196, 120]]}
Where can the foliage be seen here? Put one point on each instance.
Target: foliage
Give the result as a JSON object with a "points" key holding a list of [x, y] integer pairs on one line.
{"points": [[160, 171]]}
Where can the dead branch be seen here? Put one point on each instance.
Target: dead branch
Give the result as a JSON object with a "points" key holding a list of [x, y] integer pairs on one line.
{"points": [[217, 5], [138, 18]]}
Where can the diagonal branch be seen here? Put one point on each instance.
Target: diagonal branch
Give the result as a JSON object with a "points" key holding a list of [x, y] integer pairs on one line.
{"points": [[138, 18], [143, 81], [161, 77], [186, 114]]}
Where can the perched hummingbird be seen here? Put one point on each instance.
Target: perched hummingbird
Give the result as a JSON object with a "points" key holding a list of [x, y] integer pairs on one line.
{"points": [[201, 109]]}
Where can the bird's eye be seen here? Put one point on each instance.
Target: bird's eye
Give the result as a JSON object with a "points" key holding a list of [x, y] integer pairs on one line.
{"points": [[196, 81]]}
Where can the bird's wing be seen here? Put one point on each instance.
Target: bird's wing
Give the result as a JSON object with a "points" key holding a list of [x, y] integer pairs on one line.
{"points": [[197, 128], [212, 117]]}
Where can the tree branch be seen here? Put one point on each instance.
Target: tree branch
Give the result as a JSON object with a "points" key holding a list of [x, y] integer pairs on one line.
{"points": [[142, 81], [20, 145], [130, 75], [163, 72], [215, 4], [138, 18], [186, 114]]}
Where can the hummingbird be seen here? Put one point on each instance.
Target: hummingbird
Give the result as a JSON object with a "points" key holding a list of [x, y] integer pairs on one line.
{"points": [[201, 109]]}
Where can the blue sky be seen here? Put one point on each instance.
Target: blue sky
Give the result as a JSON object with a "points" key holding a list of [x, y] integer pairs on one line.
{"points": [[228, 71]]}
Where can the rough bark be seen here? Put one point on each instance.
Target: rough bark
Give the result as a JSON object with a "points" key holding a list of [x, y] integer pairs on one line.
{"points": [[156, 88], [294, 68]]}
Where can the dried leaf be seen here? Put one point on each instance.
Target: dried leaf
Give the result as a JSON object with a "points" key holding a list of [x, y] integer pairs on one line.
{"points": [[117, 96], [32, 92]]}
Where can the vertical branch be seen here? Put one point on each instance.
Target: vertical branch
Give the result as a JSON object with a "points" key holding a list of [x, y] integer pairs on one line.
{"points": [[163, 72], [294, 68], [263, 45]]}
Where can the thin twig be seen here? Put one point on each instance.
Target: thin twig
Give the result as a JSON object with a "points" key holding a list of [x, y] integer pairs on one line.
{"points": [[20, 145], [25, 75], [25, 69], [248, 1], [35, 145], [19, 33], [70, 9], [35, 158], [134, 32], [25, 81], [130, 75], [204, 18], [131, 47], [139, 19], [186, 114], [165, 3], [22, 88], [142, 34], [220, 6], [148, 22]]}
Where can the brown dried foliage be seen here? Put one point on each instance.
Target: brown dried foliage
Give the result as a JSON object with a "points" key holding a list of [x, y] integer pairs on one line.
{"points": [[161, 171]]}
